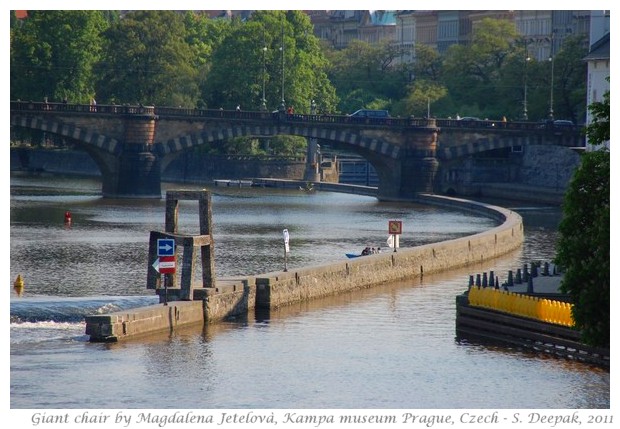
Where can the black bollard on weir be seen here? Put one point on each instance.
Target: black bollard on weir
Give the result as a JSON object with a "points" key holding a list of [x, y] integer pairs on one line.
{"points": [[530, 285]]}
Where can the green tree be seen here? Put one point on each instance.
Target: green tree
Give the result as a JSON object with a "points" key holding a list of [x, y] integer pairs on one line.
{"points": [[583, 247], [251, 53], [599, 130], [202, 35], [53, 54], [473, 73], [148, 60], [569, 80], [423, 93], [368, 75], [428, 63]]}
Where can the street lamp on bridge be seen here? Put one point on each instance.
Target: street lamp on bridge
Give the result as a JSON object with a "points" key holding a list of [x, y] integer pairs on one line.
{"points": [[263, 105], [552, 66], [283, 103], [527, 60]]}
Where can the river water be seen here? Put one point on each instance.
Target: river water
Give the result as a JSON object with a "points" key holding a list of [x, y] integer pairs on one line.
{"points": [[389, 347]]}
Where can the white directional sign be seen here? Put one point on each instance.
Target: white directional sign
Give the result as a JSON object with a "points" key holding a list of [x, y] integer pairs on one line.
{"points": [[286, 237]]}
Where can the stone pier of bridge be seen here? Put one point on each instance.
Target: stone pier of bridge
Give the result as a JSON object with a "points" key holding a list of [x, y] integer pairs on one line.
{"points": [[138, 172]]}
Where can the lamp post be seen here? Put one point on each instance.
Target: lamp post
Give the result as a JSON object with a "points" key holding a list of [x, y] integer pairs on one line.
{"points": [[527, 60], [551, 89], [263, 106], [313, 155], [283, 103]]}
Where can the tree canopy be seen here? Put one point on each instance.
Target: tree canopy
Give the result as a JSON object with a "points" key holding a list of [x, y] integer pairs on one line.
{"points": [[147, 60], [276, 49], [53, 54], [184, 58], [584, 244]]}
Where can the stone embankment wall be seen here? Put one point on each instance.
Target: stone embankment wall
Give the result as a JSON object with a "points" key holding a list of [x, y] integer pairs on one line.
{"points": [[284, 288], [187, 168]]}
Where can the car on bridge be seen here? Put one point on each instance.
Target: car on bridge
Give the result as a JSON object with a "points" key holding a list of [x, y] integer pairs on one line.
{"points": [[368, 113], [370, 116], [558, 123]]}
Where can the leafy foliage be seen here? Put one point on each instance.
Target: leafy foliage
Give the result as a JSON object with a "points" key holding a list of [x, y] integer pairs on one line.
{"points": [[366, 76], [53, 54], [276, 48], [147, 60], [183, 58], [599, 130], [584, 244]]}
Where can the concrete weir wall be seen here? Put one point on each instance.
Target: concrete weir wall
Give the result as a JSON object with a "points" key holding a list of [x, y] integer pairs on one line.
{"points": [[283, 288], [235, 297]]}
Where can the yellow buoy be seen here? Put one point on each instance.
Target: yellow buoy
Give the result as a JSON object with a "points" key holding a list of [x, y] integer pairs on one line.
{"points": [[19, 285]]}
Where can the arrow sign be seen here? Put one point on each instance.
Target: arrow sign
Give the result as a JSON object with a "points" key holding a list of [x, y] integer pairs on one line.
{"points": [[165, 265], [165, 247]]}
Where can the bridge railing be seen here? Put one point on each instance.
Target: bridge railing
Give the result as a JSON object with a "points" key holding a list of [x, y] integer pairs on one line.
{"points": [[281, 117], [286, 117], [80, 108]]}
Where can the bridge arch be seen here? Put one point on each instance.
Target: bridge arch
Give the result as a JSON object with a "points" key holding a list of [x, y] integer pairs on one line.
{"points": [[218, 133], [85, 137], [381, 154]]}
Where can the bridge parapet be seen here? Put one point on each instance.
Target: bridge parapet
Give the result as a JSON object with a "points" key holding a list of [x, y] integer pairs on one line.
{"points": [[112, 109]]}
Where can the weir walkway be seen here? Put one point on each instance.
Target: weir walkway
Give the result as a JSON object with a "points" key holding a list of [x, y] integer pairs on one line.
{"points": [[211, 300]]}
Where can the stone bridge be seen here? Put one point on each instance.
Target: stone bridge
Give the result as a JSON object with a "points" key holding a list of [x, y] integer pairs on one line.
{"points": [[132, 145]]}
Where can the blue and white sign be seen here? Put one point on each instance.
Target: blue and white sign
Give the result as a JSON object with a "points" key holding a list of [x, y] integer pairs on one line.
{"points": [[165, 247]]}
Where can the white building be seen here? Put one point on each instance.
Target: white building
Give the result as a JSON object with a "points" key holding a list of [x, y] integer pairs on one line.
{"points": [[598, 75]]}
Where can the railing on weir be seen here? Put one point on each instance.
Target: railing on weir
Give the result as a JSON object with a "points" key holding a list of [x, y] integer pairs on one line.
{"points": [[282, 117]]}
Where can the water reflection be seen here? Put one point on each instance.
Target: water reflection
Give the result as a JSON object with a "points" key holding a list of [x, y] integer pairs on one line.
{"points": [[391, 346]]}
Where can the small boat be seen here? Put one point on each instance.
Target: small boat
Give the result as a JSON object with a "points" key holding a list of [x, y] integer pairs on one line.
{"points": [[353, 255]]}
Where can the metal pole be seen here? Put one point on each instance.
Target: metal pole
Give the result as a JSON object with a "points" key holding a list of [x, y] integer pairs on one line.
{"points": [[551, 89], [163, 279], [527, 59], [551, 93], [283, 104], [264, 101]]}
